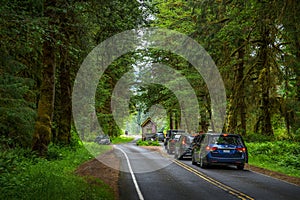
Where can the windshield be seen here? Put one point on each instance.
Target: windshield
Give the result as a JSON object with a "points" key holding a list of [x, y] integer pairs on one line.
{"points": [[226, 140]]}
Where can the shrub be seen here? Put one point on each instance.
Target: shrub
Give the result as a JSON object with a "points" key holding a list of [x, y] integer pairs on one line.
{"points": [[283, 156]]}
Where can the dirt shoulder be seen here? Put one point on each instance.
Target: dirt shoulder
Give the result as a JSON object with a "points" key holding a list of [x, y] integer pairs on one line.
{"points": [[110, 176], [278, 175], [96, 169]]}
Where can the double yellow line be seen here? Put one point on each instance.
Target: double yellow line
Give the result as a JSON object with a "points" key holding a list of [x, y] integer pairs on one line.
{"points": [[220, 185]]}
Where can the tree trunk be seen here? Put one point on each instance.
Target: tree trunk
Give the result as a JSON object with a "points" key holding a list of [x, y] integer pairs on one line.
{"points": [[171, 119], [203, 123], [232, 115], [64, 123], [65, 105], [265, 79], [42, 129], [241, 91], [237, 102], [176, 120]]}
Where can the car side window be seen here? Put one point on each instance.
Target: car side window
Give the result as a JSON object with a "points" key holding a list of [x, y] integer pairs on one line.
{"points": [[204, 139], [201, 138]]}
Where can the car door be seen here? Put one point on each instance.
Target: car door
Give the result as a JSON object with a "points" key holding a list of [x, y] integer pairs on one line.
{"points": [[202, 146], [197, 147]]}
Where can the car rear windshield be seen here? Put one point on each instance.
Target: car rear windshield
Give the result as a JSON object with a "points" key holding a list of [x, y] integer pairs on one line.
{"points": [[176, 137], [226, 140], [190, 139]]}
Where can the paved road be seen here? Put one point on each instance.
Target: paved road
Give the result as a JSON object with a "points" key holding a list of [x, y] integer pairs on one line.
{"points": [[149, 175]]}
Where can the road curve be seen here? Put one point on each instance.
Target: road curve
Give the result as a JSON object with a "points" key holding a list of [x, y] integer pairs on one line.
{"points": [[162, 177]]}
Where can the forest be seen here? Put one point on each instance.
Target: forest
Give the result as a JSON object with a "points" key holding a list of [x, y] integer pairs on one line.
{"points": [[254, 44]]}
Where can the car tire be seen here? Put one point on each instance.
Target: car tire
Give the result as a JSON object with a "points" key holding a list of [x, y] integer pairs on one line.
{"points": [[202, 164], [176, 156], [193, 159], [240, 167]]}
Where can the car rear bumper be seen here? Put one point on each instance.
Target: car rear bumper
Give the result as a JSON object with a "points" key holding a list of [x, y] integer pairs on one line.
{"points": [[187, 152], [213, 160]]}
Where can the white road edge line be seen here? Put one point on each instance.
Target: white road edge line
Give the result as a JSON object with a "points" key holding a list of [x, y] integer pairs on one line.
{"points": [[132, 174]]}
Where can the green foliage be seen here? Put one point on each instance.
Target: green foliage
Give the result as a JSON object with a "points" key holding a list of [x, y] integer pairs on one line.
{"points": [[281, 156], [121, 139], [20, 40], [255, 137], [17, 114], [147, 143], [95, 149], [255, 45], [25, 176]]}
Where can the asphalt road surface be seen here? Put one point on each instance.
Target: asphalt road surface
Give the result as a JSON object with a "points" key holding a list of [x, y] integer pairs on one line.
{"points": [[150, 175]]}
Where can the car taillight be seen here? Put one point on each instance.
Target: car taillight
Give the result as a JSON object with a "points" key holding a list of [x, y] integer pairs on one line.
{"points": [[208, 148], [241, 150]]}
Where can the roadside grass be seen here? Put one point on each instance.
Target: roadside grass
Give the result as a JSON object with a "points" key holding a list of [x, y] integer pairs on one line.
{"points": [[147, 143], [26, 176], [280, 156], [96, 149], [121, 139]]}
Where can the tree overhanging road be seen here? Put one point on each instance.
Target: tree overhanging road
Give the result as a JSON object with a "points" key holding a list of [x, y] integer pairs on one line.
{"points": [[160, 177]]}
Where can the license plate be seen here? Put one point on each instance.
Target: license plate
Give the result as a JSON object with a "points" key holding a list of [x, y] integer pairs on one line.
{"points": [[226, 151]]}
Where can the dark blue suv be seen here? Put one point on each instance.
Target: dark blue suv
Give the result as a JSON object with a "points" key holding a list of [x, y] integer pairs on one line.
{"points": [[220, 149]]}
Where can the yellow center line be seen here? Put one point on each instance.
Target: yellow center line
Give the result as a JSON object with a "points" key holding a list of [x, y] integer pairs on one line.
{"points": [[220, 185]]}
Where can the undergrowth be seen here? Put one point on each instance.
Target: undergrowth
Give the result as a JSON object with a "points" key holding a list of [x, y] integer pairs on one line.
{"points": [[23, 175], [281, 156]]}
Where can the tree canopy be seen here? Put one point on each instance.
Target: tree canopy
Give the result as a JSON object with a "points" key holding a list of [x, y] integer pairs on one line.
{"points": [[255, 45]]}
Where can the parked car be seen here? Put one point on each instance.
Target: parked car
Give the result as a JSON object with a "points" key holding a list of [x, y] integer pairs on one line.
{"points": [[159, 136], [170, 134], [183, 148], [220, 149], [102, 139], [196, 140], [172, 142]]}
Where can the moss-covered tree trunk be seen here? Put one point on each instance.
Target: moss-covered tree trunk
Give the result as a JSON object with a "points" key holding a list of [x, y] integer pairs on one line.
{"points": [[42, 129], [241, 91], [65, 113], [237, 102], [265, 80], [64, 123]]}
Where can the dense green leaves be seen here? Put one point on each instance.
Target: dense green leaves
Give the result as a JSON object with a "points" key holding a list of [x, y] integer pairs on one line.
{"points": [[38, 37], [254, 44]]}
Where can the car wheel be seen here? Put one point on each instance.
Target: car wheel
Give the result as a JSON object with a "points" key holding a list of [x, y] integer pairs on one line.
{"points": [[176, 156], [240, 167], [202, 164], [193, 159], [179, 157]]}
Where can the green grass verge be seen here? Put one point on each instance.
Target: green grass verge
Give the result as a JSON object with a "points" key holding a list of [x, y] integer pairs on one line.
{"points": [[147, 143], [25, 176], [279, 156], [122, 139]]}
